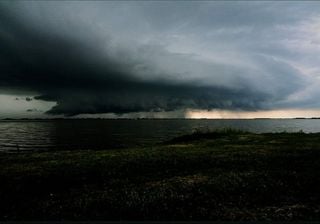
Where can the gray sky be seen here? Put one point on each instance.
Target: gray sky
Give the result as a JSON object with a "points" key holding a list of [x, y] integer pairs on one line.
{"points": [[109, 57]]}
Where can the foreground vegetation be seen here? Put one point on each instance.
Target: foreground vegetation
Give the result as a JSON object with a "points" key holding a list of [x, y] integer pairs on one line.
{"points": [[225, 175]]}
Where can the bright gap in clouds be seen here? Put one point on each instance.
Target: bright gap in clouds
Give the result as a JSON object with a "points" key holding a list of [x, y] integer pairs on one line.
{"points": [[21, 106], [227, 114]]}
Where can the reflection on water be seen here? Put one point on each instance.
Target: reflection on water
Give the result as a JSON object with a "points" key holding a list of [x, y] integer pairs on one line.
{"points": [[106, 134]]}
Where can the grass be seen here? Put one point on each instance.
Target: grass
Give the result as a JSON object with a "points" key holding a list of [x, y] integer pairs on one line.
{"points": [[223, 175]]}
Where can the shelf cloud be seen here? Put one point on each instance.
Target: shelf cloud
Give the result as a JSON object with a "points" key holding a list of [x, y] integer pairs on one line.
{"points": [[122, 57]]}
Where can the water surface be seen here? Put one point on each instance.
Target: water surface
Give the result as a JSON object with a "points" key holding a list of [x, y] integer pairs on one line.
{"points": [[107, 134]]}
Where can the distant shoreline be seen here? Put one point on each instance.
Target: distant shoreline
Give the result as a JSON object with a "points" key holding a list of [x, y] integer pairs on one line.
{"points": [[58, 119]]}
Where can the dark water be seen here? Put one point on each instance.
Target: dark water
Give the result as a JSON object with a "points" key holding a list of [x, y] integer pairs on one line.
{"points": [[105, 134]]}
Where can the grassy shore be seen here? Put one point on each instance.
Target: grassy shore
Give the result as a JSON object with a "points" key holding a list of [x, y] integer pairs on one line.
{"points": [[225, 175]]}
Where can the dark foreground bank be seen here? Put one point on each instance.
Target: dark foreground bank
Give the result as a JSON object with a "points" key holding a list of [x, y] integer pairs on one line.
{"points": [[226, 175]]}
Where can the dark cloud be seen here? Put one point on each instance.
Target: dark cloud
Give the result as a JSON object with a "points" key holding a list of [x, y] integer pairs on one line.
{"points": [[67, 71], [85, 73], [32, 110], [137, 97]]}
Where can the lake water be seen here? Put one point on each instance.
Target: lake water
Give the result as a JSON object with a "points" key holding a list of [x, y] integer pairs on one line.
{"points": [[106, 134]]}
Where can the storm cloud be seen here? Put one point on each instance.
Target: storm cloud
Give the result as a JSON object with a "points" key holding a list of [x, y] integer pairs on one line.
{"points": [[122, 57]]}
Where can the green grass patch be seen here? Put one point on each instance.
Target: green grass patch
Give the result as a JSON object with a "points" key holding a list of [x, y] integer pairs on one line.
{"points": [[222, 175]]}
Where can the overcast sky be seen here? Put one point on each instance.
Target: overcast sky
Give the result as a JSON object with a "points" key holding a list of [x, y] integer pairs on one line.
{"points": [[67, 58]]}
